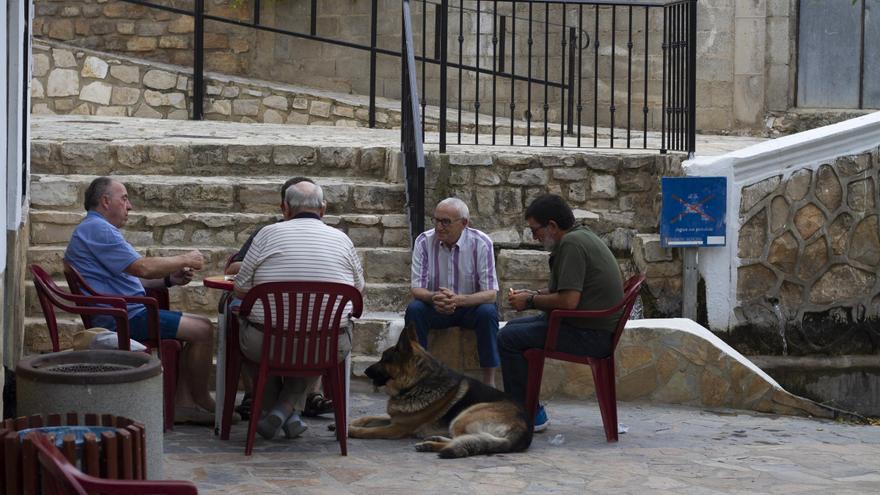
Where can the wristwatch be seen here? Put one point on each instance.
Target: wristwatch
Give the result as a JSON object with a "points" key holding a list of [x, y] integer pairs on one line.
{"points": [[530, 301], [168, 282]]}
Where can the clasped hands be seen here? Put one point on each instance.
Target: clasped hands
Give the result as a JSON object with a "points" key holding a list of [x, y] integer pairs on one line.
{"points": [[519, 298], [445, 301]]}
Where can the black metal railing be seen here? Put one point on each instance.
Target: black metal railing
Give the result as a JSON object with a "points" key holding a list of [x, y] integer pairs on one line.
{"points": [[520, 73]]}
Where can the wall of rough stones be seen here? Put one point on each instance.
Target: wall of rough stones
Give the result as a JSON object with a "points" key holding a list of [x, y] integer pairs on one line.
{"points": [[69, 80], [745, 51], [809, 247]]}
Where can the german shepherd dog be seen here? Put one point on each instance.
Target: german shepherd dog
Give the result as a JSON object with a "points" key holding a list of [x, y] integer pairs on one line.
{"points": [[456, 416]]}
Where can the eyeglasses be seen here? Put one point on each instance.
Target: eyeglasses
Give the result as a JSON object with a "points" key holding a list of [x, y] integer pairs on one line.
{"points": [[445, 222]]}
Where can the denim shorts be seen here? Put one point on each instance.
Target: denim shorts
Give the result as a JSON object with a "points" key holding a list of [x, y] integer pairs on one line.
{"points": [[169, 323]]}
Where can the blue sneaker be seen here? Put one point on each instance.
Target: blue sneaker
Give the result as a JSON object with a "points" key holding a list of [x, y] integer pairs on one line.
{"points": [[542, 421]]}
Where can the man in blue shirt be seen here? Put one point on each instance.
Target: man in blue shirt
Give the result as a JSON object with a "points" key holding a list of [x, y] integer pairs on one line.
{"points": [[111, 265]]}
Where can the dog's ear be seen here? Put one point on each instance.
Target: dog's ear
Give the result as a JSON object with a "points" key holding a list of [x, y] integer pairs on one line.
{"points": [[407, 338]]}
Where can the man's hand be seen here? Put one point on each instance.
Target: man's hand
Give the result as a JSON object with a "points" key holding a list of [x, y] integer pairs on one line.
{"points": [[182, 276], [444, 301], [194, 260], [519, 298]]}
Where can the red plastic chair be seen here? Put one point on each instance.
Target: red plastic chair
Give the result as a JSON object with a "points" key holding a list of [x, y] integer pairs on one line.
{"points": [[315, 334], [602, 368], [59, 476]]}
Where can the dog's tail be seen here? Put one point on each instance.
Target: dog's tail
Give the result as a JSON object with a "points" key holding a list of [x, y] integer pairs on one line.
{"points": [[476, 444]]}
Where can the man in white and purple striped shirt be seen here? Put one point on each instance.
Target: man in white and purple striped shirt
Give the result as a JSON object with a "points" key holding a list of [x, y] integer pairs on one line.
{"points": [[454, 282]]}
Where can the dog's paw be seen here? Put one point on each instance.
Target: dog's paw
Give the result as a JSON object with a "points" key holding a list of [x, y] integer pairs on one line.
{"points": [[430, 446], [453, 452], [438, 438]]}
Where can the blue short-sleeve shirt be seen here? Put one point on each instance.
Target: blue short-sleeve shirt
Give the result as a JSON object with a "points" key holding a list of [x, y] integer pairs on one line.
{"points": [[101, 254]]}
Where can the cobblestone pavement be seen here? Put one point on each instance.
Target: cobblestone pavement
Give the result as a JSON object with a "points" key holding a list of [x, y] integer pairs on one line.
{"points": [[667, 450]]}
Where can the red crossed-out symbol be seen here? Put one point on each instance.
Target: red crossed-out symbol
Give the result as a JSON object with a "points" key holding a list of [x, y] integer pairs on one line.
{"points": [[693, 208]]}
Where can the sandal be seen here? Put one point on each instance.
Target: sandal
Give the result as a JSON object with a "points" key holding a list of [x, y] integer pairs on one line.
{"points": [[316, 405]]}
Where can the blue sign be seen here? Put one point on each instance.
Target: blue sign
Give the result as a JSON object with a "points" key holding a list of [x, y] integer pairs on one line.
{"points": [[694, 211]]}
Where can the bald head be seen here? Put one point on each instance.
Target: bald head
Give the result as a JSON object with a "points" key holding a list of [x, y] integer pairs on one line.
{"points": [[304, 196]]}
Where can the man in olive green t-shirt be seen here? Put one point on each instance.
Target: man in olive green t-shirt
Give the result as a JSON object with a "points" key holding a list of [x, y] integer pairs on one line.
{"points": [[583, 275]]}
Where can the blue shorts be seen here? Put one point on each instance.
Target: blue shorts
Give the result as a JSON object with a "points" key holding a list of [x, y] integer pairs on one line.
{"points": [[169, 323]]}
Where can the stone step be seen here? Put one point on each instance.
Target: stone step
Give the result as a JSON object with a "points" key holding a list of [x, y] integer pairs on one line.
{"points": [[210, 155], [379, 264], [54, 227], [252, 194]]}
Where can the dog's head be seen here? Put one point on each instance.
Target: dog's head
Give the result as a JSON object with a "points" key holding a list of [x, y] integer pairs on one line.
{"points": [[398, 362]]}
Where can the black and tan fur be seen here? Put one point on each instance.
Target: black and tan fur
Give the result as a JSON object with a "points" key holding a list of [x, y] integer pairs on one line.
{"points": [[456, 416]]}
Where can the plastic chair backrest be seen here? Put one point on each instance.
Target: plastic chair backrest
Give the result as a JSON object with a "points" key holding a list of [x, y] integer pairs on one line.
{"points": [[51, 296], [59, 476], [302, 320], [631, 289]]}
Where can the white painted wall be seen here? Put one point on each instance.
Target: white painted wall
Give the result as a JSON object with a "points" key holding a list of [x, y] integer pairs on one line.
{"points": [[810, 149]]}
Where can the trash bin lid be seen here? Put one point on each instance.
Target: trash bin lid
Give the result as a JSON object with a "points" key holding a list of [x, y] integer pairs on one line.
{"points": [[60, 432], [89, 367]]}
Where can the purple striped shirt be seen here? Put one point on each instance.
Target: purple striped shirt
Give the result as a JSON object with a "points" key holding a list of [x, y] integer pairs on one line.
{"points": [[468, 267]]}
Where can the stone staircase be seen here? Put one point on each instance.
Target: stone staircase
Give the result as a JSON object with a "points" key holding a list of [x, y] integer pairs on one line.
{"points": [[204, 194]]}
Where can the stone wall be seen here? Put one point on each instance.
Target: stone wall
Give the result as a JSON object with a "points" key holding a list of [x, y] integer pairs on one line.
{"points": [[69, 80], [745, 52], [809, 251], [125, 28]]}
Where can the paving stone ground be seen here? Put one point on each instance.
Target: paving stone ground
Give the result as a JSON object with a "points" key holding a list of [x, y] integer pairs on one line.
{"points": [[667, 450]]}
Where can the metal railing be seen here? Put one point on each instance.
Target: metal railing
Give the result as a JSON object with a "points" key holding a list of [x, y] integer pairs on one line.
{"points": [[509, 46]]}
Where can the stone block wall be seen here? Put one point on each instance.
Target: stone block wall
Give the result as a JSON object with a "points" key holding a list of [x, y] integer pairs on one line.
{"points": [[69, 80], [809, 254], [119, 27]]}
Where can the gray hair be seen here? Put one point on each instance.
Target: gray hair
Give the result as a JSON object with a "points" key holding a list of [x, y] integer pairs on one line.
{"points": [[96, 190], [459, 206], [304, 196]]}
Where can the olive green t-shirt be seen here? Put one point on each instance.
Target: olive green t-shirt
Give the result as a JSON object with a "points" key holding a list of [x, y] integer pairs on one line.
{"points": [[581, 261]]}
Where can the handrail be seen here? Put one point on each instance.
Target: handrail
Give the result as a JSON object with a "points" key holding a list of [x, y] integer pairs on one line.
{"points": [[411, 136]]}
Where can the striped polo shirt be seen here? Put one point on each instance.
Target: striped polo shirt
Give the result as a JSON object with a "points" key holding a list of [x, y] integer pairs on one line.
{"points": [[465, 268], [296, 250]]}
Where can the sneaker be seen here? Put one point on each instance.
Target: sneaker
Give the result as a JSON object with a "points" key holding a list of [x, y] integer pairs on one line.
{"points": [[542, 421], [294, 426], [270, 424]]}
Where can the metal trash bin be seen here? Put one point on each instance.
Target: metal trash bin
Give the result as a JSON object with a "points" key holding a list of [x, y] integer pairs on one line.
{"points": [[121, 383]]}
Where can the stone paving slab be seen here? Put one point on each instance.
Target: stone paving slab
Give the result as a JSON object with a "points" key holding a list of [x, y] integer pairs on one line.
{"points": [[667, 450], [155, 131]]}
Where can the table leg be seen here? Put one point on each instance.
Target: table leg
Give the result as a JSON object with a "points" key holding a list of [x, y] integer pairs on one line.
{"points": [[220, 379]]}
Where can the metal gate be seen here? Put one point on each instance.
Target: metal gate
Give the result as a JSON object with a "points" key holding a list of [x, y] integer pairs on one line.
{"points": [[839, 54]]}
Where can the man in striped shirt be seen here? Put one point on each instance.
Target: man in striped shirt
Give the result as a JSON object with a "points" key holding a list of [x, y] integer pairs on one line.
{"points": [[301, 248], [454, 282]]}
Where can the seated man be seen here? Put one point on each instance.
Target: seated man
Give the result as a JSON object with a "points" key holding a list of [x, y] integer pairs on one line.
{"points": [[583, 275], [300, 248], [111, 265], [454, 282], [316, 404]]}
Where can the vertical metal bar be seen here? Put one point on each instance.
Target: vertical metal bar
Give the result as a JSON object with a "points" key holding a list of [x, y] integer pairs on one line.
{"points": [[477, 81], [665, 49], [198, 99], [596, 79], [572, 44], [438, 25], [613, 108], [546, 68], [424, 101], [580, 80], [314, 18], [682, 67], [494, 65], [502, 40], [645, 106], [529, 85], [673, 79], [679, 62], [629, 70], [562, 88], [692, 79], [512, 68], [374, 19], [444, 54], [460, 62], [256, 12]]}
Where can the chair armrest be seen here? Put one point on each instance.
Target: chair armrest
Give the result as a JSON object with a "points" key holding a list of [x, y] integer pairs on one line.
{"points": [[120, 487], [117, 309]]}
